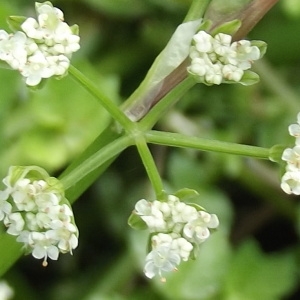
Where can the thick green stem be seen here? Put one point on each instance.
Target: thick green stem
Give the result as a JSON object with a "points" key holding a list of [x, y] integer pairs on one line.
{"points": [[179, 140], [109, 105], [96, 160], [166, 102], [150, 167], [196, 10]]}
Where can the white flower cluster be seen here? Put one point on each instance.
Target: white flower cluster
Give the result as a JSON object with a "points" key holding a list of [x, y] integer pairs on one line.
{"points": [[177, 230], [37, 212], [44, 46], [215, 59], [290, 181]]}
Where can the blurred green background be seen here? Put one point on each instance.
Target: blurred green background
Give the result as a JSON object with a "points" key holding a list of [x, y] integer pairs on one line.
{"points": [[255, 254]]}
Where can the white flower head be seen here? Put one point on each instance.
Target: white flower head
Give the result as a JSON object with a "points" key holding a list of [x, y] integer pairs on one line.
{"points": [[13, 49], [176, 228], [290, 181], [162, 258], [43, 48], [35, 210], [215, 60], [15, 223]]}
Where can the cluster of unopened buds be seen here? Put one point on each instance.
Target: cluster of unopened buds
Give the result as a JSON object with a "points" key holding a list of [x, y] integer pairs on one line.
{"points": [[40, 48], [290, 181], [34, 209], [216, 60], [177, 229]]}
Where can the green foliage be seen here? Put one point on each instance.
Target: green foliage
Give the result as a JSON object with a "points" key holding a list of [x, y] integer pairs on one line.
{"points": [[251, 270], [50, 127]]}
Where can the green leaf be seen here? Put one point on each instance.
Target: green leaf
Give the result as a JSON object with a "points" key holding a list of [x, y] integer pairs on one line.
{"points": [[10, 251], [254, 275]]}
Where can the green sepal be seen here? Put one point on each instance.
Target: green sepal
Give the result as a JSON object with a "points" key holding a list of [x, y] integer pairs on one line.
{"points": [[227, 28], [39, 4], [194, 252], [248, 78], [261, 45], [186, 193], [275, 153], [75, 29], [135, 222], [39, 86], [197, 206], [33, 173], [15, 22], [205, 26]]}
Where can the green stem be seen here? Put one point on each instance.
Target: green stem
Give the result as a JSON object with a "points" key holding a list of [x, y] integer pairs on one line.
{"points": [[110, 106], [165, 103], [180, 140], [150, 167], [197, 10], [96, 160]]}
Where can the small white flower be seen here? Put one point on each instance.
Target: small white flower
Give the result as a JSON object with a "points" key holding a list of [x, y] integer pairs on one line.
{"points": [[214, 74], [203, 41], [65, 41], [197, 229], [36, 68], [290, 182], [162, 258], [43, 247], [245, 54], [182, 247], [232, 73], [5, 208], [221, 44], [32, 29], [13, 49], [15, 223], [151, 215]]}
